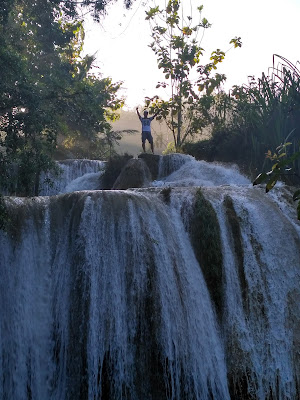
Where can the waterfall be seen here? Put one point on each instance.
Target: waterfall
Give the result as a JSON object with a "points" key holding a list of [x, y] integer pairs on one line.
{"points": [[105, 294], [261, 318], [171, 163], [183, 171], [74, 175]]}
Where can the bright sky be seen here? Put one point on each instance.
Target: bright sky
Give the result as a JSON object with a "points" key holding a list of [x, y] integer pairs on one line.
{"points": [[266, 27]]}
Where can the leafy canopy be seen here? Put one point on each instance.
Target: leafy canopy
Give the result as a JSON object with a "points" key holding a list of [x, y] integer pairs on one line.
{"points": [[46, 89], [178, 51]]}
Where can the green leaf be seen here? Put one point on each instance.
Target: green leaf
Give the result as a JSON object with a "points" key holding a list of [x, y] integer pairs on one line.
{"points": [[205, 23], [272, 182], [289, 160], [282, 155], [187, 31], [236, 42], [152, 12], [275, 166], [260, 178], [296, 195], [298, 210]]}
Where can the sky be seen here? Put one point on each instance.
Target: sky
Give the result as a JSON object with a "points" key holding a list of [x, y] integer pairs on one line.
{"points": [[266, 27]]}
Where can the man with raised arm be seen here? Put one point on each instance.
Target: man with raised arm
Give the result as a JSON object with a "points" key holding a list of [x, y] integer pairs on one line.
{"points": [[146, 128]]}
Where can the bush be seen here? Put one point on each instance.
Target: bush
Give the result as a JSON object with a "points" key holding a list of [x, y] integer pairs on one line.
{"points": [[225, 145]]}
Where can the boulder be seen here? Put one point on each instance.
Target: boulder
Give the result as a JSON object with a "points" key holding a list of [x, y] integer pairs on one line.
{"points": [[135, 174], [152, 161]]}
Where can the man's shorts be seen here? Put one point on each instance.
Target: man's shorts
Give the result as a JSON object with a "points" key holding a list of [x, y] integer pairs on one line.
{"points": [[147, 136]]}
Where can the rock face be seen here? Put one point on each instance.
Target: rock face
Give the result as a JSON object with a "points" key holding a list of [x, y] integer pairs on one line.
{"points": [[135, 174], [152, 162], [113, 169]]}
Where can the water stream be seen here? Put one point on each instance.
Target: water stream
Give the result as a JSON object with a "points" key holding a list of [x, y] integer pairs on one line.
{"points": [[103, 295]]}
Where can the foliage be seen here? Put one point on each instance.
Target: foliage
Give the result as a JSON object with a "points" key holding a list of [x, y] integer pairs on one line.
{"points": [[225, 145], [171, 148], [45, 89], [178, 51], [282, 166], [269, 108], [97, 8], [24, 143], [248, 124], [100, 147], [253, 118]]}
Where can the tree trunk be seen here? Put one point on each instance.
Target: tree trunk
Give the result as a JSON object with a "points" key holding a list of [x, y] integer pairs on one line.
{"points": [[178, 144]]}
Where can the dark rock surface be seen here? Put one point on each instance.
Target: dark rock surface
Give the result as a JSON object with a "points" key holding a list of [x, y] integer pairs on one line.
{"points": [[152, 161], [135, 174]]}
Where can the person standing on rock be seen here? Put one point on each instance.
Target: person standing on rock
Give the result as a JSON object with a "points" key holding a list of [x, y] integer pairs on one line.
{"points": [[146, 128]]}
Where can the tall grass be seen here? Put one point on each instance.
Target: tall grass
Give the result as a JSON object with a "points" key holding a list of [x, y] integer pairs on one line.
{"points": [[258, 116], [271, 107]]}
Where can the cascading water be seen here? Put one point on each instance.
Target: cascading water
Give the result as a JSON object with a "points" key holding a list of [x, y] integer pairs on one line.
{"points": [[74, 175], [261, 290], [105, 296], [182, 171], [171, 163]]}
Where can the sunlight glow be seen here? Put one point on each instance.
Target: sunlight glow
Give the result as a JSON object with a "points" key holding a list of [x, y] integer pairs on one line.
{"points": [[121, 42]]}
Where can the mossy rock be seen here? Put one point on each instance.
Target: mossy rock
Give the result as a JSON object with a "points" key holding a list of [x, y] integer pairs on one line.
{"points": [[152, 161], [236, 236], [4, 217], [113, 169], [14, 216], [166, 194], [206, 241], [135, 174]]}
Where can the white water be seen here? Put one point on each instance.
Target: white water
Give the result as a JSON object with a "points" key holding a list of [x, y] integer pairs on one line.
{"points": [[102, 295], [264, 341], [75, 175], [186, 171], [119, 278]]}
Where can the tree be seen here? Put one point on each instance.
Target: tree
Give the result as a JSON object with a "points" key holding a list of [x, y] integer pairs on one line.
{"points": [[45, 89], [97, 8], [178, 51], [29, 59]]}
